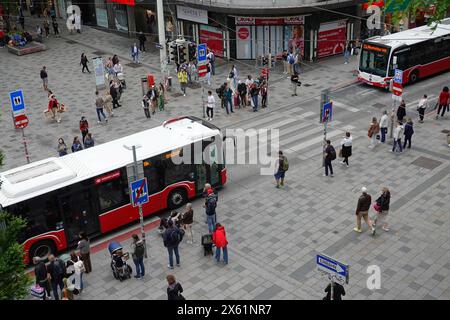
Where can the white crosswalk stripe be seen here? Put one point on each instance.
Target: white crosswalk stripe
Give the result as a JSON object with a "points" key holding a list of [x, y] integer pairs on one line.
{"points": [[312, 141], [344, 106]]}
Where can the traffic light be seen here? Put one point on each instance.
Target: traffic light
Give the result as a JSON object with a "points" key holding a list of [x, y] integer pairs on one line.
{"points": [[173, 51], [192, 51], [182, 53]]}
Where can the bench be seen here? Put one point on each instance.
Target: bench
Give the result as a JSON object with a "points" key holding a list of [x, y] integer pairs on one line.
{"points": [[29, 48]]}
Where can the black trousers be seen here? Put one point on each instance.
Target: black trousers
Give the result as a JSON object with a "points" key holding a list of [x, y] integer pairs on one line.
{"points": [[115, 102], [421, 113], [210, 112], [443, 107], [147, 113], [84, 134], [142, 46], [263, 101], [407, 139], [328, 166], [85, 67], [345, 160]]}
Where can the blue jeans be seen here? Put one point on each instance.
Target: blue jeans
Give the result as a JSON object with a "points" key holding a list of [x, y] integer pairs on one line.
{"points": [[229, 102], [383, 134], [177, 255], [397, 142], [225, 254], [100, 112], [255, 102], [211, 220], [140, 268], [81, 281], [213, 68], [328, 166]]}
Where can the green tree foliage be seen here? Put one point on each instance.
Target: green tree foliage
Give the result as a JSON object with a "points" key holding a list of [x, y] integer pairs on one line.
{"points": [[14, 281]]}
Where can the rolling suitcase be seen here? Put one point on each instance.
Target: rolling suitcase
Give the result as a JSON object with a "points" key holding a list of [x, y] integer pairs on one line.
{"points": [[236, 100]]}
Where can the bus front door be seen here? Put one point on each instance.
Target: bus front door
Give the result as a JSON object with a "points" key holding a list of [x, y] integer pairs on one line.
{"points": [[79, 214]]}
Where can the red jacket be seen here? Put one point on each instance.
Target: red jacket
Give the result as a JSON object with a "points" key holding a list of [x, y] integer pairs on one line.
{"points": [[443, 98], [219, 237], [84, 125], [52, 104]]}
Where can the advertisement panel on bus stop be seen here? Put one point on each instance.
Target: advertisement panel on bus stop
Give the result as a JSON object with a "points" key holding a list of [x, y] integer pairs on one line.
{"points": [[331, 38]]}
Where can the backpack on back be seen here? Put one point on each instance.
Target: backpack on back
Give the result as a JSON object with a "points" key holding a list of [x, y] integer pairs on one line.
{"points": [[285, 164], [332, 153], [139, 251], [176, 236]]}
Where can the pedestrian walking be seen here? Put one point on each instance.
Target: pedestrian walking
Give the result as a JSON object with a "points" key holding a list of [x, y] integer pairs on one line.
{"points": [[298, 61], [55, 27], [227, 95], [219, 239], [76, 145], [338, 291], [137, 253], [84, 61], [53, 108], [264, 92], [210, 208], [401, 111], [346, 148], [57, 270], [85, 251], [84, 127], [330, 155], [172, 238], [248, 83], [374, 129], [208, 72], [423, 104], [233, 76], [46, 25], [284, 56], [42, 277], [408, 132], [135, 53], [212, 59], [210, 106], [114, 95], [89, 141], [384, 126], [182, 79], [62, 148], [186, 220], [152, 95], [44, 77], [398, 133], [295, 83], [444, 102], [117, 68], [174, 289], [99, 107], [242, 91], [108, 104], [142, 38], [381, 207], [254, 92], [161, 96], [146, 106], [283, 166], [362, 211]]}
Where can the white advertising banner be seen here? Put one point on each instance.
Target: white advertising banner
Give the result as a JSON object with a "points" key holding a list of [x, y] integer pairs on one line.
{"points": [[191, 14], [99, 70]]}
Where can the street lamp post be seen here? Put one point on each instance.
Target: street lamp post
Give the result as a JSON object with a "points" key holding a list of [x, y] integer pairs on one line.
{"points": [[135, 174]]}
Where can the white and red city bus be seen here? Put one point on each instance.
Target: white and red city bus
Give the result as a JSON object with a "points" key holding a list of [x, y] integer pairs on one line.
{"points": [[419, 52], [89, 190]]}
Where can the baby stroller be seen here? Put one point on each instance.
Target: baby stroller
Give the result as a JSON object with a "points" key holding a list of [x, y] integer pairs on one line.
{"points": [[121, 270]]}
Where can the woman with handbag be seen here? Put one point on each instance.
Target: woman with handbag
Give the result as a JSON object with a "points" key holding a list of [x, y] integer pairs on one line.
{"points": [[174, 289], [346, 148], [381, 206]]}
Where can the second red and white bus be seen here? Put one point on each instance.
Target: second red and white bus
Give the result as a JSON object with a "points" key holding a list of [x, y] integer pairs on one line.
{"points": [[89, 190], [418, 52]]}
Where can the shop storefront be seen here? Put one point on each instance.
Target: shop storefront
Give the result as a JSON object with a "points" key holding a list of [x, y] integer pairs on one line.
{"points": [[259, 36]]}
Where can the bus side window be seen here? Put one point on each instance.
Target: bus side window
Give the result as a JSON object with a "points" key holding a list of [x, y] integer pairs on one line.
{"points": [[154, 174], [113, 194]]}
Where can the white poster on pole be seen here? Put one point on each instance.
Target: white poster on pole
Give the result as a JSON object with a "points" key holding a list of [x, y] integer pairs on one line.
{"points": [[99, 70]]}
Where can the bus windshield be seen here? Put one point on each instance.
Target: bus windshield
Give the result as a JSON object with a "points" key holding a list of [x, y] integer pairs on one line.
{"points": [[374, 59]]}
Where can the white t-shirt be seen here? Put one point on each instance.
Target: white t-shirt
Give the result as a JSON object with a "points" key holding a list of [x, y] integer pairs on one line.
{"points": [[211, 101], [423, 103], [347, 142], [384, 121], [248, 82]]}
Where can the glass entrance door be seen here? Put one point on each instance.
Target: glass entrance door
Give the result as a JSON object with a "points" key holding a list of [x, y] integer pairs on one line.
{"points": [[79, 213]]}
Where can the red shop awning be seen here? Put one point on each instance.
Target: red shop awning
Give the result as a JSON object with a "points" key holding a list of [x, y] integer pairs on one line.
{"points": [[125, 2]]}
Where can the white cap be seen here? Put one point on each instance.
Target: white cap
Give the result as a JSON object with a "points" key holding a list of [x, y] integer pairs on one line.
{"points": [[364, 189]]}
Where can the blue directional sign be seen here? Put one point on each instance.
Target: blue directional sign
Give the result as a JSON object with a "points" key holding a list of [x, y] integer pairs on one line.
{"points": [[139, 192], [398, 76], [201, 53], [17, 101], [327, 112], [332, 267]]}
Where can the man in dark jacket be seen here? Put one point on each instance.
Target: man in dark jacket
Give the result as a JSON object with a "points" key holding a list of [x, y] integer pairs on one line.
{"points": [[114, 94], [142, 38], [330, 155], [41, 274], [362, 211], [242, 90], [57, 271], [171, 242], [210, 209]]}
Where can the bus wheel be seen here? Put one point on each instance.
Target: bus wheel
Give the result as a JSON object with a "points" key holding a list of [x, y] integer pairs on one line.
{"points": [[413, 77], [176, 198], [42, 249]]}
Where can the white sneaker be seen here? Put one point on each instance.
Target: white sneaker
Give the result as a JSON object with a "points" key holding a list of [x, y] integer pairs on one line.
{"points": [[98, 122]]}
